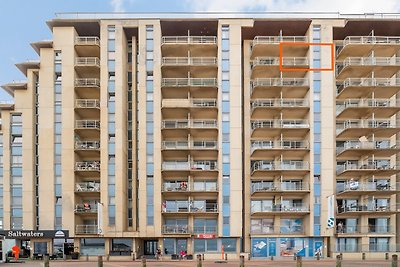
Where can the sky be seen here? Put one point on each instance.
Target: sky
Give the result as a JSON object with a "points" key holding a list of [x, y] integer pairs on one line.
{"points": [[23, 21]]}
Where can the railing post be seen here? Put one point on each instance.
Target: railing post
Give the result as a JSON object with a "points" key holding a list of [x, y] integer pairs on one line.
{"points": [[46, 260], [363, 256], [299, 261], [87, 257], [241, 260], [99, 261], [338, 261], [144, 261], [199, 262], [394, 260]]}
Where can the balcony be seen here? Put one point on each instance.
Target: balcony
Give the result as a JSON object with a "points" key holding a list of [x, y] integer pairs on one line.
{"points": [[295, 167], [189, 82], [277, 230], [83, 229], [86, 208], [369, 209], [89, 65], [176, 230], [196, 87], [181, 45], [272, 128], [279, 87], [358, 128], [88, 167], [87, 187], [355, 230], [195, 148], [173, 108], [185, 207], [357, 108], [205, 230], [363, 45], [183, 187], [266, 67], [87, 88], [271, 148], [269, 45], [268, 187], [355, 188], [364, 87], [367, 167], [204, 66], [195, 127], [87, 45], [87, 108], [88, 128], [296, 108], [351, 149], [195, 166], [279, 209], [358, 67]]}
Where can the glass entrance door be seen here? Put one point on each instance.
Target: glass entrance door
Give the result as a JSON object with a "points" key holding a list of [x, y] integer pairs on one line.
{"points": [[150, 247]]}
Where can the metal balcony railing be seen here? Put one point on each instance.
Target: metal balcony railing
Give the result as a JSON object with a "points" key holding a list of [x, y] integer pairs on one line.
{"points": [[366, 186], [348, 124], [87, 166], [189, 61], [359, 103], [279, 82], [205, 229], [367, 61], [86, 229], [278, 39], [87, 103], [203, 103], [184, 124], [275, 61], [87, 61], [189, 145], [87, 145], [186, 206], [362, 40], [186, 82], [183, 186], [189, 40], [364, 145], [280, 208], [85, 208], [265, 165], [285, 144], [259, 124], [203, 124], [267, 186], [87, 187], [368, 82], [175, 229], [276, 229], [369, 208], [366, 165], [87, 82], [282, 102], [87, 124], [87, 40]]}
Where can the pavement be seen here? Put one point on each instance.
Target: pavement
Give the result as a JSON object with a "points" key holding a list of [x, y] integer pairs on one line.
{"points": [[269, 263]]}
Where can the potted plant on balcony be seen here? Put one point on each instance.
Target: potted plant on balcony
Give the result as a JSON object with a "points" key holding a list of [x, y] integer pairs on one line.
{"points": [[75, 254]]}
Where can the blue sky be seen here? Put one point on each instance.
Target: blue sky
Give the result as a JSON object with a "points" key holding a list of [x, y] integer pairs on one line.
{"points": [[23, 21]]}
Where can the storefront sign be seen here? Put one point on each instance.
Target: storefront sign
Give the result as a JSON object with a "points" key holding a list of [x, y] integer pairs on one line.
{"points": [[28, 234], [205, 236]]}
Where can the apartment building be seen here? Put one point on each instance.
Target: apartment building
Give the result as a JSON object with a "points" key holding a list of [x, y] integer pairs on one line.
{"points": [[257, 135]]}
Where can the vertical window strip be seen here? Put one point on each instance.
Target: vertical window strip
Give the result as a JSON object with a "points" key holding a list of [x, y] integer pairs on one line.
{"points": [[149, 126], [57, 138], [130, 139], [1, 184], [36, 151], [317, 133], [111, 127], [225, 68]]}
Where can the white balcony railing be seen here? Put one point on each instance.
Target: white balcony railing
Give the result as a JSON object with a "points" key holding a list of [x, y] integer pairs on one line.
{"points": [[275, 61], [280, 82], [189, 40], [278, 39], [348, 124], [87, 40], [189, 82], [366, 165], [87, 124], [292, 208], [87, 61], [87, 82], [366, 186], [366, 145], [289, 165], [189, 61], [87, 187], [372, 103], [87, 145], [86, 229], [288, 124], [204, 165], [367, 61], [87, 103], [87, 166], [176, 229], [203, 103], [284, 144], [280, 102], [368, 40], [198, 144], [268, 186], [184, 124]]}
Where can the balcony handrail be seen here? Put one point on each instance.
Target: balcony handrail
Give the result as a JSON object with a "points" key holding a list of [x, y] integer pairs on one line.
{"points": [[186, 206], [87, 103], [367, 145], [189, 61], [367, 186], [87, 61], [87, 145], [280, 144], [278, 39], [370, 207], [175, 229], [184, 186], [369, 123], [196, 123], [277, 229], [362, 229], [205, 229], [265, 165], [271, 82], [203, 102], [275, 61], [82, 208], [87, 124], [371, 40], [293, 123], [87, 82], [86, 229], [283, 208], [176, 165], [279, 102], [185, 82], [87, 165], [87, 187], [189, 40], [369, 102], [269, 186], [87, 40], [370, 61], [367, 165], [193, 144]]}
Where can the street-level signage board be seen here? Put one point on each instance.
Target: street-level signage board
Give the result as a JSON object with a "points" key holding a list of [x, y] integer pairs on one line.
{"points": [[27, 234]]}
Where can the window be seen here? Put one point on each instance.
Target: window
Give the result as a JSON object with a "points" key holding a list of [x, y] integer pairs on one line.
{"points": [[229, 244], [92, 246]]}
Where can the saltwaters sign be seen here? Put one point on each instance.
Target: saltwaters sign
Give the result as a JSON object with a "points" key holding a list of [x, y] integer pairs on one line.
{"points": [[27, 234]]}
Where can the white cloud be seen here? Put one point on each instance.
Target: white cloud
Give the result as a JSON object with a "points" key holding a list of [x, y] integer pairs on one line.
{"points": [[343, 6], [117, 5]]}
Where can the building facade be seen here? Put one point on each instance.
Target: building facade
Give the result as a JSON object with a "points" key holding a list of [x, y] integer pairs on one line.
{"points": [[271, 137]]}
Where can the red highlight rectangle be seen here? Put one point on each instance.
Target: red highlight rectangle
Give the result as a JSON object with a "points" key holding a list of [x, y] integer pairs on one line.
{"points": [[282, 44]]}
